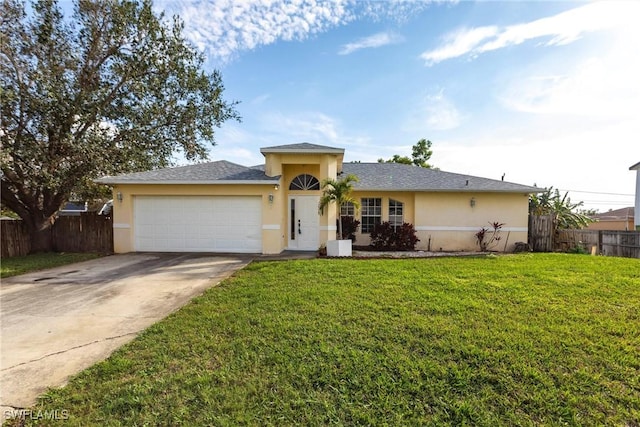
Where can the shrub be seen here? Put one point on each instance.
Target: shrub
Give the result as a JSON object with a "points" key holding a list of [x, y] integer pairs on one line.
{"points": [[349, 227], [579, 248], [488, 238], [402, 238]]}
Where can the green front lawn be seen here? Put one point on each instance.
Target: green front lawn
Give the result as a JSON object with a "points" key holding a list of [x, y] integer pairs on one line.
{"points": [[25, 264], [545, 339]]}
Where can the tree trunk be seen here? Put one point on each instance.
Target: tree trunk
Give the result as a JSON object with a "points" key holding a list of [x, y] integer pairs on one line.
{"points": [[40, 236]]}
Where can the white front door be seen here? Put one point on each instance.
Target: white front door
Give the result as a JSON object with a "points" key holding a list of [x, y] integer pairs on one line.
{"points": [[304, 223]]}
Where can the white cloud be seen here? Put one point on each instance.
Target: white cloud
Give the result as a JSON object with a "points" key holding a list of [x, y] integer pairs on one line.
{"points": [[311, 126], [547, 154], [442, 114], [302, 127], [221, 28], [238, 145], [373, 41], [435, 112], [562, 28], [603, 86], [459, 43], [396, 10], [260, 99]]}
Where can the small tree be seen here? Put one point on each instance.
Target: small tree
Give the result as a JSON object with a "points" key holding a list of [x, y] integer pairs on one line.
{"points": [[113, 88], [565, 213], [420, 155], [338, 191]]}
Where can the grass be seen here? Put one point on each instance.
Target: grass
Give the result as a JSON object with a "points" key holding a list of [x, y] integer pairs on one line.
{"points": [[544, 339], [25, 264]]}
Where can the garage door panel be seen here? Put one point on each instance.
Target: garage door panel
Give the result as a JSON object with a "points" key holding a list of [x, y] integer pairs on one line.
{"points": [[198, 224]]}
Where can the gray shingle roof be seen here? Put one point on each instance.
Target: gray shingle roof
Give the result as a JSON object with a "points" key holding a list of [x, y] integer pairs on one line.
{"points": [[204, 173], [372, 176], [301, 147], [401, 177]]}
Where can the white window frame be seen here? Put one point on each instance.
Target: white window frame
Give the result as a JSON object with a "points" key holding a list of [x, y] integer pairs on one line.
{"points": [[368, 210], [396, 213], [348, 209]]}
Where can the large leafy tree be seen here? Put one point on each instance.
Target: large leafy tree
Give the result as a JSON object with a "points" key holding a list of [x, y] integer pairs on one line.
{"points": [[114, 88], [338, 191], [565, 213], [420, 154]]}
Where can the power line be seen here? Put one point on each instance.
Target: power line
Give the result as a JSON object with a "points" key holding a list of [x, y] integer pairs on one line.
{"points": [[604, 201], [607, 203], [595, 192]]}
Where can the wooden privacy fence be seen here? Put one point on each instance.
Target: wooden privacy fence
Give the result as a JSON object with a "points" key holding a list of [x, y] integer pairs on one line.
{"points": [[88, 232], [14, 238], [541, 233], [611, 243]]}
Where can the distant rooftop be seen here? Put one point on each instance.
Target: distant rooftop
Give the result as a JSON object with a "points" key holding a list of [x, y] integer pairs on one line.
{"points": [[615, 215]]}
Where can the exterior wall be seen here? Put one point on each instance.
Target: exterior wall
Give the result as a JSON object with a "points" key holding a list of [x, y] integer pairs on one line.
{"points": [[273, 213], [447, 222], [621, 224], [408, 198]]}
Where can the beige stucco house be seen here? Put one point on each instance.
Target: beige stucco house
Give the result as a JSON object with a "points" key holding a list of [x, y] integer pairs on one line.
{"points": [[225, 207], [619, 219]]}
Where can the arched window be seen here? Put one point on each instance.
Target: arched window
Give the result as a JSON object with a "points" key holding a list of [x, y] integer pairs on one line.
{"points": [[304, 182]]}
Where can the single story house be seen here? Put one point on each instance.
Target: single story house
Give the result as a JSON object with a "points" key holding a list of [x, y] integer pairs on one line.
{"points": [[225, 207], [618, 219]]}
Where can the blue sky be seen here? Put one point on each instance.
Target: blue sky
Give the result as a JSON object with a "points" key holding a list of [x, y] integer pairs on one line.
{"points": [[547, 93]]}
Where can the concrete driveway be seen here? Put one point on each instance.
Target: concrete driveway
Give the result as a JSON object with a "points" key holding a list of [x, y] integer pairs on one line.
{"points": [[57, 322]]}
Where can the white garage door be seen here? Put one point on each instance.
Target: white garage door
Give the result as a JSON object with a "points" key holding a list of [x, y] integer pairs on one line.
{"points": [[198, 224]]}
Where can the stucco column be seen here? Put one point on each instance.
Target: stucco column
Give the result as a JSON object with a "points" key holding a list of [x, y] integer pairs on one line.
{"points": [[328, 169]]}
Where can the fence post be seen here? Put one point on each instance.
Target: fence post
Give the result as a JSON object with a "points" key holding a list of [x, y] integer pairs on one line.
{"points": [[599, 241]]}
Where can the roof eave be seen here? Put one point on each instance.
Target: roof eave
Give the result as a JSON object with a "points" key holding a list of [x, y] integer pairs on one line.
{"points": [[635, 167], [302, 151], [275, 180], [449, 190]]}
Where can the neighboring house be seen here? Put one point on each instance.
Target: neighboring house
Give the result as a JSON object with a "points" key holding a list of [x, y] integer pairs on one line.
{"points": [[636, 168], [619, 219], [224, 207]]}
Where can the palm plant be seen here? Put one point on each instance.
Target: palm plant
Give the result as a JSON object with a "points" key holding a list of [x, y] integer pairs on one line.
{"points": [[338, 191], [565, 213]]}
